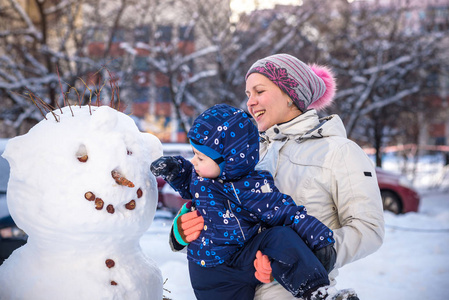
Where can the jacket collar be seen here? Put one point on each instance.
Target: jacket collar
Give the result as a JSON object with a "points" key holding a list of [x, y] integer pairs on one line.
{"points": [[305, 126]]}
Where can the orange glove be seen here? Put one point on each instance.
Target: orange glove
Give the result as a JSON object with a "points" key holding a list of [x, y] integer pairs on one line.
{"points": [[263, 268], [187, 227]]}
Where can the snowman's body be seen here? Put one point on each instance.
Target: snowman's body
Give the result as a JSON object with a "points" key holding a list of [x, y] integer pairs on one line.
{"points": [[80, 275], [82, 190]]}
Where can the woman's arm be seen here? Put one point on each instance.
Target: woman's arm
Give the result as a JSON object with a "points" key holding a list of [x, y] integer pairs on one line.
{"points": [[356, 194]]}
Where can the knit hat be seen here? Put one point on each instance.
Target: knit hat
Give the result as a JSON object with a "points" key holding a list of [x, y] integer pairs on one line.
{"points": [[308, 86]]}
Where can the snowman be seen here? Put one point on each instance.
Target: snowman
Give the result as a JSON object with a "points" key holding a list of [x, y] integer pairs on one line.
{"points": [[81, 188]]}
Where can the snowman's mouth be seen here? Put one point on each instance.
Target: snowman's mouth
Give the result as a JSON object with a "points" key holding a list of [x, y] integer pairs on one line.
{"points": [[99, 202], [121, 180]]}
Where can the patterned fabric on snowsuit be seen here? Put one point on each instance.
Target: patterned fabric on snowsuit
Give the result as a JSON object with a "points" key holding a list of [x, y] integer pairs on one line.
{"points": [[294, 266], [241, 200]]}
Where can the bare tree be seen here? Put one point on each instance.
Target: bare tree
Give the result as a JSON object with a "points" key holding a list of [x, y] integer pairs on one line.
{"points": [[255, 35], [62, 48], [188, 53], [40, 50], [380, 64]]}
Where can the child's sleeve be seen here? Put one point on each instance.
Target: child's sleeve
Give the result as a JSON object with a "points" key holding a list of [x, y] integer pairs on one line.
{"points": [[277, 209], [314, 233], [181, 183]]}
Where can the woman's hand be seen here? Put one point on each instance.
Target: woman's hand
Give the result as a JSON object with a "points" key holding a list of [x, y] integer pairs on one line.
{"points": [[263, 268]]}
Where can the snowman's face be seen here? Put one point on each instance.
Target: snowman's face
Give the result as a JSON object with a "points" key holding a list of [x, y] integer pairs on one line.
{"points": [[88, 174]]}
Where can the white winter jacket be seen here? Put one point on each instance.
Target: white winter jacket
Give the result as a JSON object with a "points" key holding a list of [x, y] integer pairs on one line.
{"points": [[312, 161]]}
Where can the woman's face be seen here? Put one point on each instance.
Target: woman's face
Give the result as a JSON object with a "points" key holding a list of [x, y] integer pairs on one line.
{"points": [[267, 103]]}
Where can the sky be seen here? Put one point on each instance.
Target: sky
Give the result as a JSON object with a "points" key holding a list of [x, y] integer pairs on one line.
{"points": [[249, 5], [239, 6]]}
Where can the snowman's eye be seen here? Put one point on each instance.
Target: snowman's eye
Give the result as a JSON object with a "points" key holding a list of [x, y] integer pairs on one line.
{"points": [[81, 154], [129, 152]]}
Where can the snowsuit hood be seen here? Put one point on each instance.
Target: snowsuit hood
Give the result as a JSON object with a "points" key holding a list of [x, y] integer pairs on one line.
{"points": [[227, 135]]}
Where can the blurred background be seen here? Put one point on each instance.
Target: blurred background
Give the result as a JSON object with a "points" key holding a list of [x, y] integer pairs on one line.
{"points": [[164, 61]]}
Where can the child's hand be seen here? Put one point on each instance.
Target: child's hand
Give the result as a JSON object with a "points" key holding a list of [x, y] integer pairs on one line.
{"points": [[263, 268], [187, 226], [190, 225], [165, 166]]}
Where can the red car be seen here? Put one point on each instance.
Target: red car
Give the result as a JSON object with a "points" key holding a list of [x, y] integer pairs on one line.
{"points": [[398, 195]]}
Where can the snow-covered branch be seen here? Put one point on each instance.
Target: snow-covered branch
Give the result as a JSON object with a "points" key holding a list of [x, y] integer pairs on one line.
{"points": [[382, 102], [28, 82], [388, 65], [60, 6], [201, 75], [193, 56]]}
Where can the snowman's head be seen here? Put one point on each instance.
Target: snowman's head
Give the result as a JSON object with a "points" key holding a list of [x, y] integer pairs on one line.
{"points": [[84, 176]]}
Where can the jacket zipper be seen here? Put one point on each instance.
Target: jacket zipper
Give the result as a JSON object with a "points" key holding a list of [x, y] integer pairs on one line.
{"points": [[229, 204]]}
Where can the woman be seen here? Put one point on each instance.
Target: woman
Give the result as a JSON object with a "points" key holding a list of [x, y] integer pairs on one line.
{"points": [[312, 160]]}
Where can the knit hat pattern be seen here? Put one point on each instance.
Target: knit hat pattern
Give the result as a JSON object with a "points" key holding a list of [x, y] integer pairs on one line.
{"points": [[229, 132], [307, 86]]}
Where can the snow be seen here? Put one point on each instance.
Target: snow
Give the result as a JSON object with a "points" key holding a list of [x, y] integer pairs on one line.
{"points": [[82, 247], [413, 262]]}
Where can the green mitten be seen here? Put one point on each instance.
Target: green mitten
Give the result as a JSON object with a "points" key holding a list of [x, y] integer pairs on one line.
{"points": [[187, 225]]}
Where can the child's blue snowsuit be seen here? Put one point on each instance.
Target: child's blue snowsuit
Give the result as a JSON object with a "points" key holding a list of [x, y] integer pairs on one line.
{"points": [[240, 209]]}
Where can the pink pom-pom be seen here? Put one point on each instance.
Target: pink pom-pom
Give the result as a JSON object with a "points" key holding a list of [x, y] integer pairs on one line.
{"points": [[331, 87]]}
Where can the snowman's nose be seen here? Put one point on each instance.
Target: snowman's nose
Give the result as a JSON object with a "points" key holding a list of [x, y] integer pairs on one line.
{"points": [[120, 179]]}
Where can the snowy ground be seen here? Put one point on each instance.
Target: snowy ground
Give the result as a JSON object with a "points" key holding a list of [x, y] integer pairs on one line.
{"points": [[413, 262]]}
